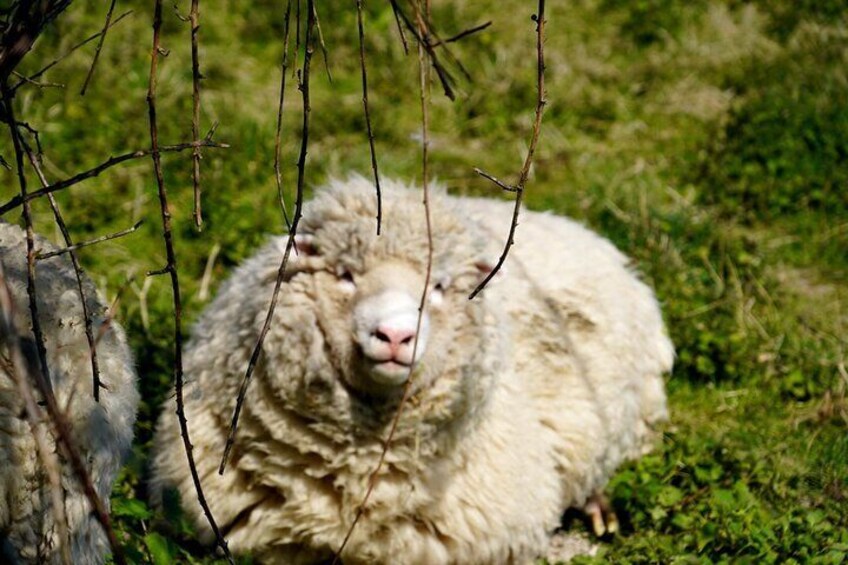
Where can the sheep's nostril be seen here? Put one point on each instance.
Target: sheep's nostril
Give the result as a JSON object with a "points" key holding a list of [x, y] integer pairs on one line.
{"points": [[394, 337]]}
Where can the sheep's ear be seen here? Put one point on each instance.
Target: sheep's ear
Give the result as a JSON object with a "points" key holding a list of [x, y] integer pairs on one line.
{"points": [[304, 245], [485, 267]]}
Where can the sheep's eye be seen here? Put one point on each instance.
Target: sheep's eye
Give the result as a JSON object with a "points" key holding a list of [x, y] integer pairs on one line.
{"points": [[438, 294], [442, 284], [345, 275]]}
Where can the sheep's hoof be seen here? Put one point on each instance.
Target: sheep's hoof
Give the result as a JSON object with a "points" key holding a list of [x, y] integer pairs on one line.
{"points": [[600, 513]]}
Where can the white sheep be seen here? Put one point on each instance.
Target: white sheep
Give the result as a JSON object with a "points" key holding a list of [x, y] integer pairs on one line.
{"points": [[524, 399], [102, 431]]}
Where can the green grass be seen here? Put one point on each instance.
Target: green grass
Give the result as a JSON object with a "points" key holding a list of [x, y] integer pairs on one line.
{"points": [[706, 139]]}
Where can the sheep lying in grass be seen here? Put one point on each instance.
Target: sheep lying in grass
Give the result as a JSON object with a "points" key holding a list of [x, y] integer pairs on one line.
{"points": [[102, 431], [523, 400]]}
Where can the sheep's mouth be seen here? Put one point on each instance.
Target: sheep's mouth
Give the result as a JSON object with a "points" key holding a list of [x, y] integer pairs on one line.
{"points": [[388, 372]]}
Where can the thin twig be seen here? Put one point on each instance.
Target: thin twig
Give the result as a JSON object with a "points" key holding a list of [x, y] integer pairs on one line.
{"points": [[206, 279], [279, 134], [102, 238], [35, 83], [109, 315], [421, 32], [42, 377], [432, 37], [23, 380], [368, 115], [323, 45], [16, 201], [8, 96], [194, 18], [28, 19], [424, 82], [60, 222], [98, 48], [539, 18], [297, 42], [496, 180], [31, 78], [395, 11], [463, 34], [298, 209], [175, 282]]}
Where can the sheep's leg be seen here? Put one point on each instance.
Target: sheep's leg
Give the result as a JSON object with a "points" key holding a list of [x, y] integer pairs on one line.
{"points": [[601, 514]]}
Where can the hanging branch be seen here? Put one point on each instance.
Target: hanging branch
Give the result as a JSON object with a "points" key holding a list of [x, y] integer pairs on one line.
{"points": [[75, 246], [171, 269], [21, 375], [16, 201], [98, 48], [298, 208], [278, 136], [424, 84], [42, 376], [323, 47], [463, 34], [30, 237], [368, 114], [421, 35], [395, 11], [432, 38], [36, 83], [32, 78], [539, 18], [26, 22], [194, 18], [60, 222]]}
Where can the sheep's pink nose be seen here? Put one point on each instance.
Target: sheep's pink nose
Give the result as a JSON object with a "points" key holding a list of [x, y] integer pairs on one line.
{"points": [[395, 338]]}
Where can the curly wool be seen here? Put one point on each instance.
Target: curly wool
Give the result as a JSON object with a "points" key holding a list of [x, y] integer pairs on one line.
{"points": [[523, 403], [102, 431]]}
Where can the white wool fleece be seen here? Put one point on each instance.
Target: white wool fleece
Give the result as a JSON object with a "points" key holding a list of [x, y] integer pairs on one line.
{"points": [[102, 431], [524, 400]]}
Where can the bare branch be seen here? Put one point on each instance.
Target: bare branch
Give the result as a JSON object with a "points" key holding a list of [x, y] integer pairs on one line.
{"points": [[539, 18], [27, 21], [109, 316], [323, 46], [368, 114], [64, 55], [20, 373], [42, 377], [36, 83], [194, 18], [95, 171], [171, 268], [395, 9], [157, 272], [60, 222], [298, 209], [102, 238], [463, 34], [278, 136], [503, 185], [30, 236], [203, 293], [424, 83], [99, 47], [421, 33]]}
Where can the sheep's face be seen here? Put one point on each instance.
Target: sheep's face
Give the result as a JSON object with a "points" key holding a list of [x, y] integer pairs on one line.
{"points": [[369, 291], [385, 322]]}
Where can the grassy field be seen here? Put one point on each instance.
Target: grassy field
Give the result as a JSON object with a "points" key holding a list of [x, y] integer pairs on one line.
{"points": [[708, 139]]}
